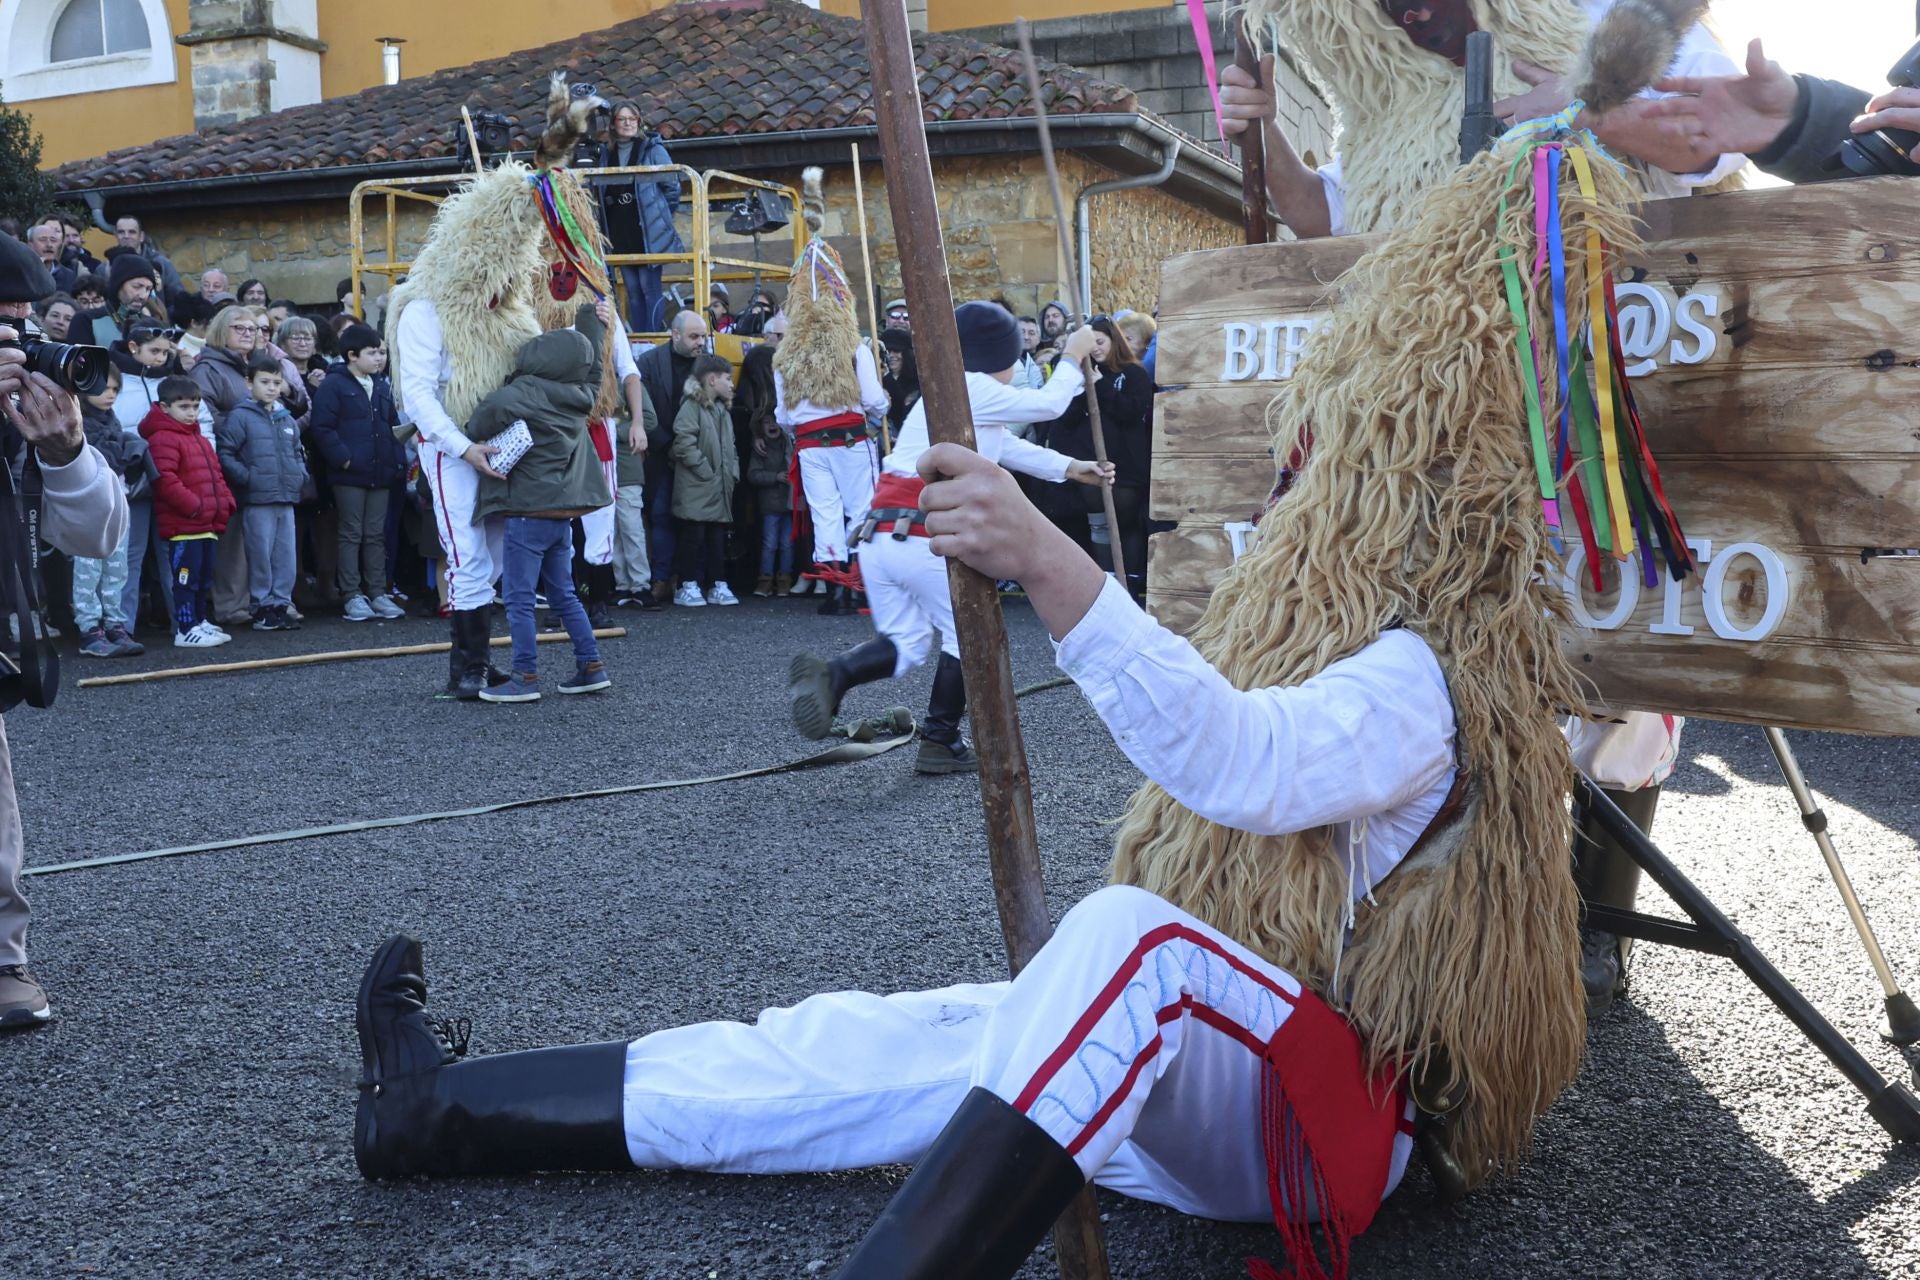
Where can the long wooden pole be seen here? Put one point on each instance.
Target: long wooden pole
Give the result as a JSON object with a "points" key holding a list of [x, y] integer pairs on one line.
{"points": [[1253, 149], [1088, 367], [873, 308], [309, 659], [1006, 792]]}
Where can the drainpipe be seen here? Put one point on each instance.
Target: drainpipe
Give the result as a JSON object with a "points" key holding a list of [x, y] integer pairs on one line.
{"points": [[1083, 221]]}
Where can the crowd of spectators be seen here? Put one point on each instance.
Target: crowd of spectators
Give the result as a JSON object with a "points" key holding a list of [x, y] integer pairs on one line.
{"points": [[299, 497]]}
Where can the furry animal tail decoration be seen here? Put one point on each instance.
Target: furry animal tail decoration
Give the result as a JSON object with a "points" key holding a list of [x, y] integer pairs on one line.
{"points": [[567, 118], [1630, 48], [813, 199]]}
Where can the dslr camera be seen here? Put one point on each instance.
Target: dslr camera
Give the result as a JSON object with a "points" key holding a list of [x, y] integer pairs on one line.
{"points": [[80, 370], [1887, 151]]}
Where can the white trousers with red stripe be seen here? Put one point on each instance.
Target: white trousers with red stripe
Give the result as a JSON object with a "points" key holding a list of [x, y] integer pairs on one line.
{"points": [[1133, 1039], [908, 594], [473, 551], [838, 485]]}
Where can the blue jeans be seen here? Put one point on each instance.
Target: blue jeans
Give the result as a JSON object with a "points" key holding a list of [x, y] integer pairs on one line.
{"points": [[144, 538], [270, 558], [540, 554], [776, 543], [643, 299], [658, 496]]}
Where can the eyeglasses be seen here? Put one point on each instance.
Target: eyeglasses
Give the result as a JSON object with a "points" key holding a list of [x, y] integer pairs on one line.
{"points": [[243, 328]]}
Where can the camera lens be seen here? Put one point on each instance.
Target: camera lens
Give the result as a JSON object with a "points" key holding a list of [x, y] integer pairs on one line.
{"points": [[1886, 151], [81, 370]]}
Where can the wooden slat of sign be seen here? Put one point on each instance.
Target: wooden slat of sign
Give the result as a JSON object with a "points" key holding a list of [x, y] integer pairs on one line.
{"points": [[1795, 430]]}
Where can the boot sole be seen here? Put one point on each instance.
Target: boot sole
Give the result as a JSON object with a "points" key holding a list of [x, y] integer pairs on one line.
{"points": [[810, 696], [364, 1135], [595, 687], [936, 765]]}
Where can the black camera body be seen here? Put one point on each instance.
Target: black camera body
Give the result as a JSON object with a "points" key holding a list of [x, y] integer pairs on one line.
{"points": [[494, 133], [1888, 151], [80, 370]]}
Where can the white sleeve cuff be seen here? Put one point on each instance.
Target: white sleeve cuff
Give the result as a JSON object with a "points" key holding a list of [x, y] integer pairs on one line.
{"points": [[1106, 639]]}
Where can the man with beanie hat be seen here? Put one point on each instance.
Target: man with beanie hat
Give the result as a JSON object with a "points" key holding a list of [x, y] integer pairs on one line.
{"points": [[906, 582], [83, 512], [130, 283]]}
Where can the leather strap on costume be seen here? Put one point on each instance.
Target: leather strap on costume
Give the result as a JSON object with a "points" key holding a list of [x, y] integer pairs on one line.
{"points": [[895, 508], [840, 431]]}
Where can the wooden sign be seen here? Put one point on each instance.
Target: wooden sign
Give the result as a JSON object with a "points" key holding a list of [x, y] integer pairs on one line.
{"points": [[1774, 342]]}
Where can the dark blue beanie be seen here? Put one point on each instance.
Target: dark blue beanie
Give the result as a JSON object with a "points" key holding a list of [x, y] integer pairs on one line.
{"points": [[989, 337]]}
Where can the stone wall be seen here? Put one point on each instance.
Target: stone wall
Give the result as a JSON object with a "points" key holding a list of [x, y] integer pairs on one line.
{"points": [[1153, 52], [996, 212]]}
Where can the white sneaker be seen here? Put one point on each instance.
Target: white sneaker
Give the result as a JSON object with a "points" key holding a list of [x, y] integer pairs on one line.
{"points": [[722, 594], [386, 608], [358, 610], [198, 638], [213, 628], [689, 595], [800, 587]]}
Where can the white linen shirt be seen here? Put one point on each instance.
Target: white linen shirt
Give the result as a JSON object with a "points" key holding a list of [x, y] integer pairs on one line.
{"points": [[874, 401], [995, 405], [1365, 746]]}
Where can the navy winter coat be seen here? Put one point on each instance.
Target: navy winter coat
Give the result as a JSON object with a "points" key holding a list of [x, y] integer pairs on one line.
{"points": [[354, 434], [261, 454]]}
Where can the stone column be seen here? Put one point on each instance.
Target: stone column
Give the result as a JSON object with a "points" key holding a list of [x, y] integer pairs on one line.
{"points": [[251, 57]]}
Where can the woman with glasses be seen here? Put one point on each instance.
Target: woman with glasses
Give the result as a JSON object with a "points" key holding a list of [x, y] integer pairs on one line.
{"points": [[221, 372]]}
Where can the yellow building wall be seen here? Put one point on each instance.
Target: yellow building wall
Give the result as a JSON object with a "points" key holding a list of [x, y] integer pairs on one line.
{"points": [[958, 15], [90, 124]]}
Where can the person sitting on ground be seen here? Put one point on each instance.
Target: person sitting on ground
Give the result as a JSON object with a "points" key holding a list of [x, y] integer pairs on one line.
{"points": [[555, 381], [260, 453], [192, 506], [99, 584], [352, 428], [706, 467]]}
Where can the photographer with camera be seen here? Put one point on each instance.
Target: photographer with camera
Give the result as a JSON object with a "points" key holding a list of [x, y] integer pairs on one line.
{"points": [[55, 485], [1799, 127]]}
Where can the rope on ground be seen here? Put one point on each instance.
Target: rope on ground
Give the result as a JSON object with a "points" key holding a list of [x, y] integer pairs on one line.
{"points": [[308, 659], [849, 752]]}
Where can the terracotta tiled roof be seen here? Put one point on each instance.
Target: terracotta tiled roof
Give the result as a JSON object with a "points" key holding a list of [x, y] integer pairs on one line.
{"points": [[763, 66]]}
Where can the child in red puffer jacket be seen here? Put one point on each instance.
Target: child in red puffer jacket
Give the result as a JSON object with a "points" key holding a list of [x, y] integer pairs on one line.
{"points": [[191, 504]]}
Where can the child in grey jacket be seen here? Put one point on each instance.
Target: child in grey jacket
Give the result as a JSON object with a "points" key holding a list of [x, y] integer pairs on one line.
{"points": [[259, 448]]}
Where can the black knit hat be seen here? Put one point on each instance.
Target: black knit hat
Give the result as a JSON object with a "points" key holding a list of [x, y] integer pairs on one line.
{"points": [[128, 266], [23, 277], [989, 337]]}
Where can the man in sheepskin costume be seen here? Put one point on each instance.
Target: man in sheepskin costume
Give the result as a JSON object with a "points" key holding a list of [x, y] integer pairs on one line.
{"points": [[1394, 71], [1342, 891], [489, 278]]}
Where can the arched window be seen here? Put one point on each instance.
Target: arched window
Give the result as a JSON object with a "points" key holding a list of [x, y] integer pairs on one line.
{"points": [[52, 48], [94, 28]]}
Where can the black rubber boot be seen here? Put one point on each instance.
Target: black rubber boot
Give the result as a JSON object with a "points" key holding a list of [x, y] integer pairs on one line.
{"points": [[815, 686], [600, 593], [459, 658], [942, 749], [976, 1205], [1608, 877], [424, 1109]]}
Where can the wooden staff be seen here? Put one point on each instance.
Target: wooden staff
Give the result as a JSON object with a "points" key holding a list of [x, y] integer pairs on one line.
{"points": [[309, 659], [1087, 366], [473, 139], [1006, 792], [873, 308], [1253, 147]]}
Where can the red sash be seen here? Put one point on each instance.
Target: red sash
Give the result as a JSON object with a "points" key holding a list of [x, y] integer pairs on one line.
{"points": [[899, 493]]}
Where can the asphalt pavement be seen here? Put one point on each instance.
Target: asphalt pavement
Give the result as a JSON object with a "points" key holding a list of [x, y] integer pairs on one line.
{"points": [[190, 1113]]}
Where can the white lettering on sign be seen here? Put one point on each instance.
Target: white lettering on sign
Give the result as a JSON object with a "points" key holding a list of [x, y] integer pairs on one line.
{"points": [[1268, 351], [1712, 586], [1657, 326]]}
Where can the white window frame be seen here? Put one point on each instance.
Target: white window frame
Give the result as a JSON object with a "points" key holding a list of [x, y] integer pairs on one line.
{"points": [[26, 33]]}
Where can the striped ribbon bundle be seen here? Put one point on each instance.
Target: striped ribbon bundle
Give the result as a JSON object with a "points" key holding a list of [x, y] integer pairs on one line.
{"points": [[576, 246], [1599, 456]]}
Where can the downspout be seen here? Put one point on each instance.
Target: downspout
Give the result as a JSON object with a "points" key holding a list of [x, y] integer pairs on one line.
{"points": [[1083, 221]]}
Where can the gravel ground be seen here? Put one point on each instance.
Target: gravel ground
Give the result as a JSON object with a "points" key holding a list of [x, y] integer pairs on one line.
{"points": [[189, 1115]]}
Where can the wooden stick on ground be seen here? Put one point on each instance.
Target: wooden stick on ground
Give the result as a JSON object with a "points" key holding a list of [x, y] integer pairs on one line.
{"points": [[873, 307], [1006, 792], [1088, 367], [309, 659]]}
